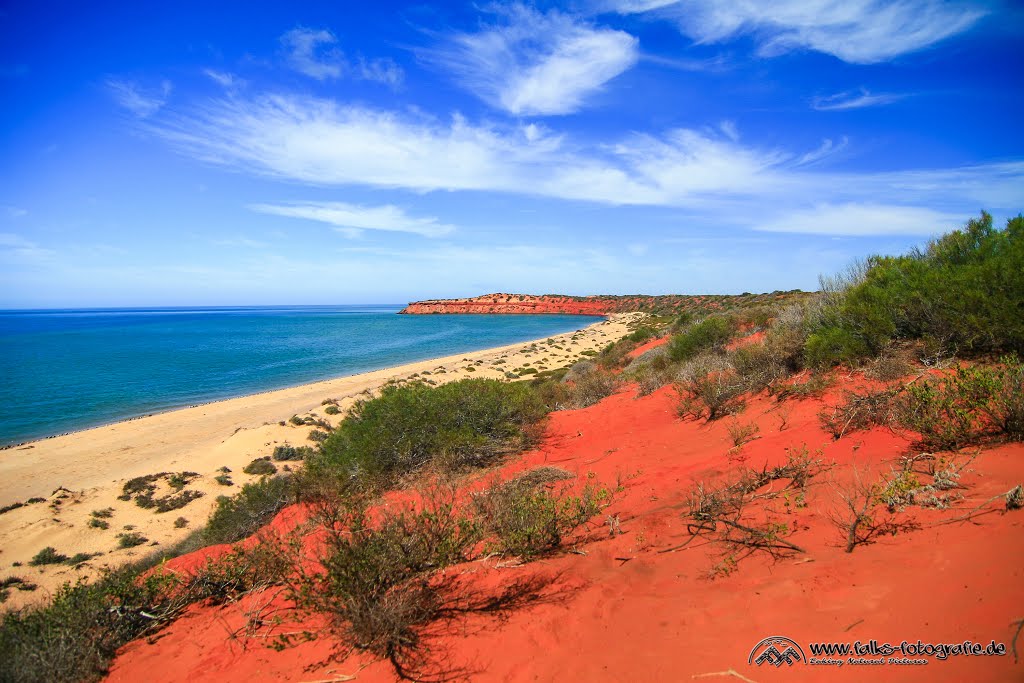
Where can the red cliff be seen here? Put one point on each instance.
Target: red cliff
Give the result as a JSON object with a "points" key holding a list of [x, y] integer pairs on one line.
{"points": [[518, 303]]}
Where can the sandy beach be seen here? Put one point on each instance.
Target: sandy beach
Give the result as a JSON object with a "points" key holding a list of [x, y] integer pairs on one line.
{"points": [[84, 472]]}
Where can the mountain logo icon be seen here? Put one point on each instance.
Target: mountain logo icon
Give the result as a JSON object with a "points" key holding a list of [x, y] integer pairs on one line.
{"points": [[776, 651]]}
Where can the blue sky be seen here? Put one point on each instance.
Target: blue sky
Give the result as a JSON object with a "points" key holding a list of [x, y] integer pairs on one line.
{"points": [[225, 153]]}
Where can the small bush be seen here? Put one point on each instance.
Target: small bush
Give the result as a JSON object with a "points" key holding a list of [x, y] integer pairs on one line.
{"points": [[176, 501], [288, 452], [261, 466], [967, 407], [708, 334], [741, 434], [48, 555], [105, 513], [246, 512], [528, 519], [180, 523], [587, 384], [224, 480], [14, 582], [375, 585], [469, 422], [95, 523], [332, 410], [318, 435], [860, 411], [130, 539], [709, 388]]}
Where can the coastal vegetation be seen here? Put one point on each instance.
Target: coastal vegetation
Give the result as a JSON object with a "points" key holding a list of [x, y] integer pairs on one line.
{"points": [[382, 574]]}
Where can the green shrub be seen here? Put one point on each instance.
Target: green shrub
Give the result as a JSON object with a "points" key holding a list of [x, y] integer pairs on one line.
{"points": [[641, 334], [288, 452], [224, 480], [130, 539], [967, 407], [711, 333], [527, 519], [586, 384], [75, 636], [243, 514], [261, 466], [375, 586], [332, 410], [963, 293], [48, 555], [468, 422], [834, 345]]}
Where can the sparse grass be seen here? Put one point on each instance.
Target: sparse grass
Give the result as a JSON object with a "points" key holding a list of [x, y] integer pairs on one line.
{"points": [[15, 582], [741, 433]]}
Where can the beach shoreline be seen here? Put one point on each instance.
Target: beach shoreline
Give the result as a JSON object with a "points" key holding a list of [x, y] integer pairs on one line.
{"points": [[82, 471]]}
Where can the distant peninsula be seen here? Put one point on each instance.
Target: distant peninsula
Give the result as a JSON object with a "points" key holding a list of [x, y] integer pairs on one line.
{"points": [[583, 305]]}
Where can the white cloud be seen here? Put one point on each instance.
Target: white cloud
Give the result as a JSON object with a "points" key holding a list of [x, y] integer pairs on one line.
{"points": [[537, 64], [314, 52], [321, 142], [222, 78], [143, 102], [381, 70], [311, 52], [847, 100], [352, 219], [864, 219], [856, 31], [826, 149]]}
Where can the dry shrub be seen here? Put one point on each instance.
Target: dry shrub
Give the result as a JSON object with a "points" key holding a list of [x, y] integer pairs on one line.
{"points": [[586, 384], [860, 411], [709, 388], [893, 363], [526, 517]]}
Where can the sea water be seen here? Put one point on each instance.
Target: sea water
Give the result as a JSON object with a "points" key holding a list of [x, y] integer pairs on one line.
{"points": [[65, 370]]}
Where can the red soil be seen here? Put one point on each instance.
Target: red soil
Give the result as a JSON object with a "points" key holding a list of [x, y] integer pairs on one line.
{"points": [[647, 346], [630, 609]]}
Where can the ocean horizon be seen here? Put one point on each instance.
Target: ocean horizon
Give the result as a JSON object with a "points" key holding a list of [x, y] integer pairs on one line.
{"points": [[66, 370]]}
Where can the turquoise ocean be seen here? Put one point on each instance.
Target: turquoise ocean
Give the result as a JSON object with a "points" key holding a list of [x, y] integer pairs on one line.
{"points": [[67, 370]]}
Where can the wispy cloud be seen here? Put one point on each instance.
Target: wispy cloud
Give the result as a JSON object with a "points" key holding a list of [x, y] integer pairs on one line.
{"points": [[856, 31], [854, 100], [322, 142], [141, 101], [826, 149], [864, 219], [16, 248], [351, 219], [534, 63], [314, 52], [222, 78]]}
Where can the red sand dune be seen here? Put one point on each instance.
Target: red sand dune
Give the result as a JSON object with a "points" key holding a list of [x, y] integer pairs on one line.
{"points": [[647, 346], [629, 611]]}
